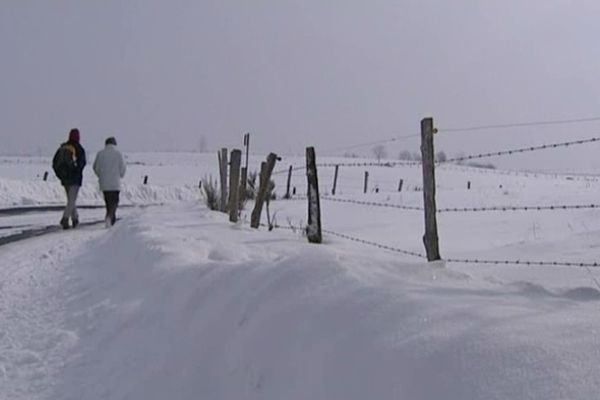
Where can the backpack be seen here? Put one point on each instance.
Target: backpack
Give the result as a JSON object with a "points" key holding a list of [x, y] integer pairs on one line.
{"points": [[64, 162]]}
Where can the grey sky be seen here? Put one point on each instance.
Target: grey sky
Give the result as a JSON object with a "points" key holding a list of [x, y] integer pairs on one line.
{"points": [[159, 74]]}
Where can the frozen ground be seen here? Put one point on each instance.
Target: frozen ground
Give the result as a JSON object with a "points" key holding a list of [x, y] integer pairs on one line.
{"points": [[176, 302]]}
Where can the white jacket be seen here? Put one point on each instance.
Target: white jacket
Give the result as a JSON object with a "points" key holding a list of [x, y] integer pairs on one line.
{"points": [[109, 166]]}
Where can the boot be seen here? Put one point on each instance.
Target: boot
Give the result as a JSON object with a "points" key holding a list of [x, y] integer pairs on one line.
{"points": [[64, 223], [75, 222]]}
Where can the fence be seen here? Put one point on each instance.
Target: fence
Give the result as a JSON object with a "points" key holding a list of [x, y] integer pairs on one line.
{"points": [[427, 187]]}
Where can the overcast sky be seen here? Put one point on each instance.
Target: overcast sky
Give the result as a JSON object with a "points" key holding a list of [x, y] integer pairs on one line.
{"points": [[158, 75]]}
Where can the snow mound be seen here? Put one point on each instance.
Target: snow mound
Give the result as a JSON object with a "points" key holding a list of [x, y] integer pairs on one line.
{"points": [[180, 303]]}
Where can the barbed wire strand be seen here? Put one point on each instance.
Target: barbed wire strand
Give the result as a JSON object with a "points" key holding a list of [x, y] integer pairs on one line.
{"points": [[372, 203], [586, 265], [519, 150], [523, 262], [520, 208], [387, 164], [359, 145], [507, 208], [520, 124], [374, 244], [450, 160], [475, 260]]}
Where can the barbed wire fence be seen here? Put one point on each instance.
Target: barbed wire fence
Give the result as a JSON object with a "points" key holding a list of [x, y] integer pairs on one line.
{"points": [[455, 162]]}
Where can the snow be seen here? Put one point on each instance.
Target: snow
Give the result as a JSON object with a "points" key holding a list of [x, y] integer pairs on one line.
{"points": [[176, 302]]}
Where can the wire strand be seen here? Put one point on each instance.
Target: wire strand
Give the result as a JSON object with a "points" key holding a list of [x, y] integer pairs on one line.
{"points": [[520, 124]]}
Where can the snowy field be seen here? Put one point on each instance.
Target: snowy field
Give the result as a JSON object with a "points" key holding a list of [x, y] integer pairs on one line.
{"points": [[176, 302]]}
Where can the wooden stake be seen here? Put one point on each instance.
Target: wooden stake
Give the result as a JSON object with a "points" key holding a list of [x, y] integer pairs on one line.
{"points": [[400, 185], [265, 178], [243, 184], [234, 183], [289, 181], [335, 176], [366, 181], [430, 239], [223, 173], [313, 230]]}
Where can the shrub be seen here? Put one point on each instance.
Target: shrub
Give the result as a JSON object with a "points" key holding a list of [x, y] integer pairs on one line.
{"points": [[212, 196]]}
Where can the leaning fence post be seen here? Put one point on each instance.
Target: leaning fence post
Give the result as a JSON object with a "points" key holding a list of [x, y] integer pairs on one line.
{"points": [[265, 178], [400, 185], [366, 181], [289, 181], [430, 239], [335, 176], [223, 175], [313, 230], [45, 176], [145, 179], [234, 182]]}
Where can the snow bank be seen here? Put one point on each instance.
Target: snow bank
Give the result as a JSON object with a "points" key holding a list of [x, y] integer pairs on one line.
{"points": [[178, 303], [28, 193]]}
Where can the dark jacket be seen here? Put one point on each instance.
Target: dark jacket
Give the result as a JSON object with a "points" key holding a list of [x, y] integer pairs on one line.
{"points": [[75, 177]]}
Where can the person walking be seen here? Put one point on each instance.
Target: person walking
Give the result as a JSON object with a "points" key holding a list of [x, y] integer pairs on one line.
{"points": [[109, 166], [68, 164]]}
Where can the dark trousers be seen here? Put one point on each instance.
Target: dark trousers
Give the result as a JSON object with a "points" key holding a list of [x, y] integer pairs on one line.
{"points": [[111, 200]]}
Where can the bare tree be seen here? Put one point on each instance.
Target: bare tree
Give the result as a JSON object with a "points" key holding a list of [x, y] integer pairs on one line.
{"points": [[405, 155], [441, 156], [379, 152]]}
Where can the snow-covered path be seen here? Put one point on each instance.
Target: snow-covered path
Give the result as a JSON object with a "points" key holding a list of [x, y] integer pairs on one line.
{"points": [[33, 338], [175, 302]]}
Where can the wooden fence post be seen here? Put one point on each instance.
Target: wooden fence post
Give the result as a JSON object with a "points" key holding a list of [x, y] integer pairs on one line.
{"points": [[45, 176], [243, 183], [145, 179], [400, 185], [430, 239], [335, 176], [313, 230], [265, 178], [261, 174], [223, 175], [366, 181], [468, 185], [289, 181], [234, 183], [244, 175]]}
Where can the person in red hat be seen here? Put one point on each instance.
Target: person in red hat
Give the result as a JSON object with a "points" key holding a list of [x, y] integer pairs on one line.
{"points": [[68, 164]]}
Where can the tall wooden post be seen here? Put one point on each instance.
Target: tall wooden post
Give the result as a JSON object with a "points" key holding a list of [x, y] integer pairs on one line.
{"points": [[366, 181], [243, 183], [234, 182], [265, 178], [247, 144], [289, 182], [335, 175], [223, 174], [430, 239], [261, 174], [313, 230]]}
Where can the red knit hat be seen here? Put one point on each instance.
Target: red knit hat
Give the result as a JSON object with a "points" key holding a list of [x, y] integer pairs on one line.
{"points": [[74, 135]]}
